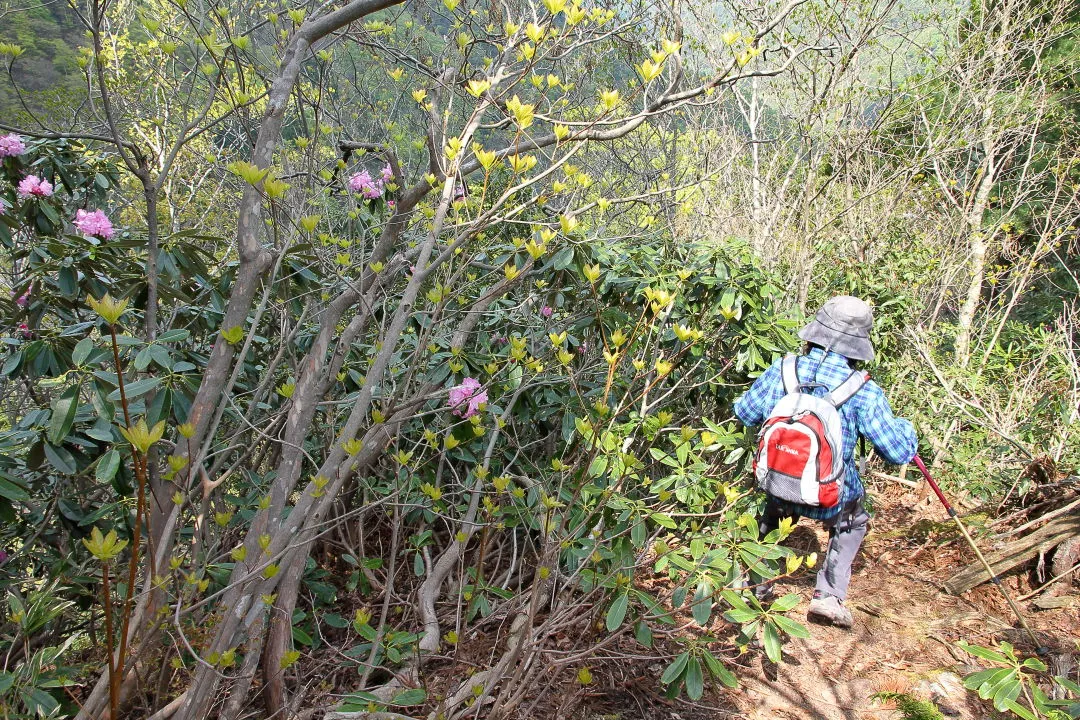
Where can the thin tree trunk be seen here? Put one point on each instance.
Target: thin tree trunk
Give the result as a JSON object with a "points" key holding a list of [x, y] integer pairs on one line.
{"points": [[978, 248]]}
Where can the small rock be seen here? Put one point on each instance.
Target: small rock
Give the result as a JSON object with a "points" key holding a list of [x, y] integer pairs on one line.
{"points": [[1052, 602], [946, 691]]}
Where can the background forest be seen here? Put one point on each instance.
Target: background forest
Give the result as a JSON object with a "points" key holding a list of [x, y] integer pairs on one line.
{"points": [[349, 345]]}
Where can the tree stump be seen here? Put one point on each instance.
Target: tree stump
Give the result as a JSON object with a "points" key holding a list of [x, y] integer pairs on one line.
{"points": [[1066, 557]]}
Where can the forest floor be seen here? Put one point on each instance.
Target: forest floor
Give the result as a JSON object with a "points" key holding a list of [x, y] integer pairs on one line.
{"points": [[903, 640]]}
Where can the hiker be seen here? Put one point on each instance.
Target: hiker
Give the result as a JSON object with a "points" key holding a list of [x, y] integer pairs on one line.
{"points": [[800, 475]]}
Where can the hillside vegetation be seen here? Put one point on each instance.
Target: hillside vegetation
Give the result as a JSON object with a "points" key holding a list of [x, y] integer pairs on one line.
{"points": [[379, 358]]}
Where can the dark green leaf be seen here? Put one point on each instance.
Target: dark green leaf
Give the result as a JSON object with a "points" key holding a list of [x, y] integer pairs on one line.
{"points": [[173, 336], [563, 258], [412, 696], [734, 599], [771, 640], [617, 612], [136, 389], [695, 681], [107, 466], [11, 364], [1006, 692], [984, 653], [792, 628], [142, 360], [300, 637], [1019, 710], [63, 414], [13, 491], [702, 605], [160, 355], [663, 520], [159, 407], [60, 459], [675, 669], [82, 350], [786, 603], [741, 616], [598, 466], [643, 634], [975, 680], [718, 671]]}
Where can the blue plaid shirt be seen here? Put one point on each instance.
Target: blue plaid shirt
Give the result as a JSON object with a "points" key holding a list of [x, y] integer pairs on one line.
{"points": [[867, 414]]}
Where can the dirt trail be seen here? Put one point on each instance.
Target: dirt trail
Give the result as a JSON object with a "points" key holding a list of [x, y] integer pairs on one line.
{"points": [[904, 637], [905, 630]]}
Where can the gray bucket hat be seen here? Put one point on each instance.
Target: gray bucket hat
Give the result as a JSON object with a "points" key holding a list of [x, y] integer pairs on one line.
{"points": [[843, 326]]}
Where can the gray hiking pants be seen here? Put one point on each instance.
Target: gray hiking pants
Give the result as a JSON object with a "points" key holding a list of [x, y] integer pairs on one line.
{"points": [[846, 533]]}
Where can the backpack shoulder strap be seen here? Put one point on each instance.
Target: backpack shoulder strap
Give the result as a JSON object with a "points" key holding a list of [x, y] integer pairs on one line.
{"points": [[789, 374], [847, 389]]}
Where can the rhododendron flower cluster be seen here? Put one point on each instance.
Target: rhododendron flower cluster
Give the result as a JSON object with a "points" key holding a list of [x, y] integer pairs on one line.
{"points": [[388, 174], [93, 224], [546, 311], [466, 398], [32, 185], [365, 185], [24, 299], [11, 145]]}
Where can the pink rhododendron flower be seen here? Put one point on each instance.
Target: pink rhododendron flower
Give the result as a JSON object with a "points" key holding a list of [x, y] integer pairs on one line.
{"points": [[359, 181], [25, 331], [466, 398], [32, 185], [387, 174], [93, 224], [362, 183], [11, 145], [24, 299], [392, 205], [546, 311]]}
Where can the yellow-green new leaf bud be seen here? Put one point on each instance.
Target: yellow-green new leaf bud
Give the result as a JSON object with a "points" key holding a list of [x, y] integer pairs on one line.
{"points": [[104, 547], [108, 308], [289, 659], [141, 437]]}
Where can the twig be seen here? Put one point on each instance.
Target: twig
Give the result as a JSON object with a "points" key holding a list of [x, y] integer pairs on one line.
{"points": [[1042, 518], [1048, 583], [894, 478]]}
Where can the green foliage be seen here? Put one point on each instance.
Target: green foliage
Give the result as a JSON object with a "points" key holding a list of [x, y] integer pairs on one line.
{"points": [[32, 684], [911, 707], [575, 284], [1011, 683]]}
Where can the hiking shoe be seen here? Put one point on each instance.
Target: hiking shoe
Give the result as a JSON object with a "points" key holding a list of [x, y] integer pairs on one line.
{"points": [[764, 592], [831, 610]]}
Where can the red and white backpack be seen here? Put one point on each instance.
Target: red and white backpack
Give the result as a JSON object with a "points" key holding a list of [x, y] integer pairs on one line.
{"points": [[800, 457]]}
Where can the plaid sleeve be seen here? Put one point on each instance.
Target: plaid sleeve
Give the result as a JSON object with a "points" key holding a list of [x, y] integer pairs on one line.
{"points": [[893, 437], [757, 402]]}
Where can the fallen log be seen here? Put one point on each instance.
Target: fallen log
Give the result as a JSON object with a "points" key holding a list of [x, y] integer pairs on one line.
{"points": [[1016, 552]]}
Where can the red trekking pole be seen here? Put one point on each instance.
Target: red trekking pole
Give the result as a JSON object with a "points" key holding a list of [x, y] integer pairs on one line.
{"points": [[1040, 649]]}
